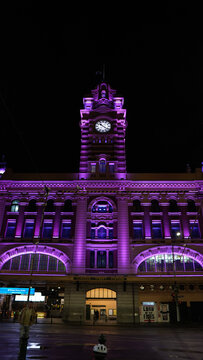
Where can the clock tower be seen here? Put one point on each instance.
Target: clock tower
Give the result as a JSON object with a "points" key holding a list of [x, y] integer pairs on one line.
{"points": [[103, 126]]}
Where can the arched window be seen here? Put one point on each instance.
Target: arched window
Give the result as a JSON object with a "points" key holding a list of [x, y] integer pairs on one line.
{"points": [[102, 166], [102, 207], [40, 263], [15, 206], [50, 206], [169, 263], [191, 207], [137, 206], [32, 206], [101, 233], [155, 206], [173, 207], [67, 206]]}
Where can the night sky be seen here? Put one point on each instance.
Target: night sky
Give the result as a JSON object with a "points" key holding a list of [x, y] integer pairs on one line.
{"points": [[50, 55]]}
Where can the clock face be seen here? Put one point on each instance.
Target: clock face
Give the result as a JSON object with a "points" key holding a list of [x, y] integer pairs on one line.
{"points": [[103, 126]]}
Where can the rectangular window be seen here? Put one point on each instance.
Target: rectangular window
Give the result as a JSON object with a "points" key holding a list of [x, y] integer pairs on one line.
{"points": [[93, 168], [175, 229], [29, 229], [66, 230], [194, 230], [92, 259], [11, 229], [101, 259], [93, 233], [156, 230], [110, 233], [111, 168], [47, 229], [111, 258], [137, 230]]}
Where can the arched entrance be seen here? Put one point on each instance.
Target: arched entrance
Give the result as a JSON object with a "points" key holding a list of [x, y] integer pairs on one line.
{"points": [[101, 306]]}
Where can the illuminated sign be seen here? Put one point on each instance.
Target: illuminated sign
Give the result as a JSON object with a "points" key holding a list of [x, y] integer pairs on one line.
{"points": [[148, 303], [37, 297], [14, 291]]}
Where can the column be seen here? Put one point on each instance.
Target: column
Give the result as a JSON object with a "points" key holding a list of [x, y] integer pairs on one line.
{"points": [[127, 304], [123, 236], [20, 220], [147, 220], [184, 220], [79, 253], [74, 303], [57, 217], [38, 219], [166, 221]]}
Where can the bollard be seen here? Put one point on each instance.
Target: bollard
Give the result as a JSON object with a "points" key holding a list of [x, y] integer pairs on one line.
{"points": [[23, 348], [100, 350]]}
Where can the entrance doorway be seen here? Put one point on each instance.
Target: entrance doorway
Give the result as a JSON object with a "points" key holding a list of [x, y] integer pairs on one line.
{"points": [[101, 306]]}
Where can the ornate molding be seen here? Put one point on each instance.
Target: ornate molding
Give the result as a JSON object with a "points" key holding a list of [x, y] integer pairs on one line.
{"points": [[178, 250], [37, 249]]}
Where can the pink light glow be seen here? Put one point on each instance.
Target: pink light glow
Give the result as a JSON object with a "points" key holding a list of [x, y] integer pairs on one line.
{"points": [[35, 249], [177, 250]]}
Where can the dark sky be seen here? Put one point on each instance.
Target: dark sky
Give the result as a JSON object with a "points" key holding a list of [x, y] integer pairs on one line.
{"points": [[49, 58]]}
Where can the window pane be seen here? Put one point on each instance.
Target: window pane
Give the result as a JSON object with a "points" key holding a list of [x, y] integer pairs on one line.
{"points": [[111, 258], [160, 263], [156, 231], [25, 262], [137, 231], [101, 233], [11, 229], [47, 230], [101, 259], [194, 231], [61, 266], [34, 262], [15, 263], [175, 229], [52, 263], [43, 262], [188, 264], [15, 206], [92, 259], [29, 230], [151, 264], [66, 231], [6, 266]]}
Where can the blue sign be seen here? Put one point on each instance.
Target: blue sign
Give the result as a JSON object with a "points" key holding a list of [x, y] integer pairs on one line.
{"points": [[16, 291]]}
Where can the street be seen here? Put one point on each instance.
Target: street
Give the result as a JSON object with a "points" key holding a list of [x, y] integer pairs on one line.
{"points": [[61, 341]]}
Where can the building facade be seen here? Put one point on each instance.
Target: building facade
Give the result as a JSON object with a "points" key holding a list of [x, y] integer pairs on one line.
{"points": [[111, 245]]}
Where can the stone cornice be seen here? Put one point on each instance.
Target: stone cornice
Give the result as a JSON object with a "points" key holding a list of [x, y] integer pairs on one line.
{"points": [[86, 186]]}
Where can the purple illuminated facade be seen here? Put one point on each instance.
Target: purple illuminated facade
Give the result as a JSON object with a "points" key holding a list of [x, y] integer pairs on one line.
{"points": [[136, 234]]}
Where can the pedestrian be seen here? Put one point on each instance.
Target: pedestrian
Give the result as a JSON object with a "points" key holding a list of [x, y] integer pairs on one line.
{"points": [[27, 318]]}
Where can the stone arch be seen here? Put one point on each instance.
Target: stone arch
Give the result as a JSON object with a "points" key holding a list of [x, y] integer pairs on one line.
{"points": [[176, 250], [102, 198], [37, 249]]}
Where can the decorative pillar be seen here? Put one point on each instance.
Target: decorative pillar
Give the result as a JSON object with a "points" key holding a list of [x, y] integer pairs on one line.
{"points": [[80, 236], [123, 236], [38, 220], [166, 220], [147, 220], [20, 220], [184, 220], [56, 227]]}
